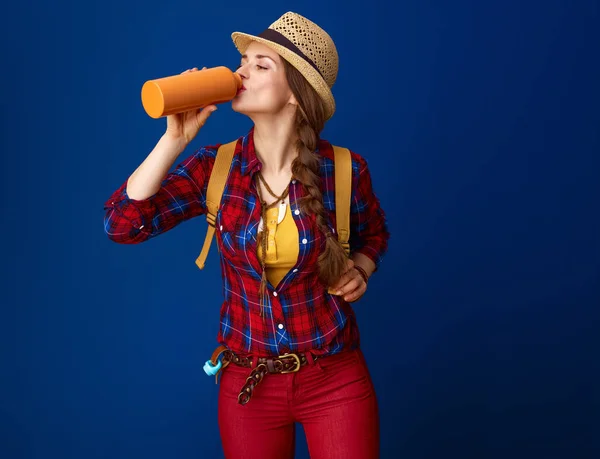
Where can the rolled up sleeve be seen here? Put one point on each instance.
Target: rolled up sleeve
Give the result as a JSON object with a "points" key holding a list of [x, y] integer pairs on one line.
{"points": [[182, 196], [369, 233]]}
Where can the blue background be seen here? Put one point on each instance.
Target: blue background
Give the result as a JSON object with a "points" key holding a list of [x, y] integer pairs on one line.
{"points": [[480, 124]]}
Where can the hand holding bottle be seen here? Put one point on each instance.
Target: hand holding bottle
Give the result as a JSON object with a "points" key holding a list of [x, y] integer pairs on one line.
{"points": [[183, 127], [186, 100]]}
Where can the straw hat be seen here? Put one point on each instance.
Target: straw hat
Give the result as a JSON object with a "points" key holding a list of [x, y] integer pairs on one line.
{"points": [[304, 45]]}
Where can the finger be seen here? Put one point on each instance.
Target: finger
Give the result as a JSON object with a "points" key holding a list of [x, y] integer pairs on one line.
{"points": [[356, 294], [203, 68], [348, 274], [203, 114], [350, 286], [353, 295], [341, 282]]}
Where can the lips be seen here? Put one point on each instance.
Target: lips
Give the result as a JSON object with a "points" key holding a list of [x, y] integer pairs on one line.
{"points": [[241, 90]]}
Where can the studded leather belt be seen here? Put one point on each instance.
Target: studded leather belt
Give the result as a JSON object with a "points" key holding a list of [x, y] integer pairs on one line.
{"points": [[286, 363]]}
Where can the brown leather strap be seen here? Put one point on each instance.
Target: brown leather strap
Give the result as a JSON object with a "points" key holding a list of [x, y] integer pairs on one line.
{"points": [[241, 361], [256, 376], [215, 356], [281, 364], [286, 363], [217, 352]]}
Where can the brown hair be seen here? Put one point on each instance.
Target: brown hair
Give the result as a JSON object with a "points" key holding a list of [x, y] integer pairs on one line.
{"points": [[310, 121]]}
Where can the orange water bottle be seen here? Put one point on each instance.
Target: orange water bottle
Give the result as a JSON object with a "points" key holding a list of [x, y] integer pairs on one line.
{"points": [[189, 91]]}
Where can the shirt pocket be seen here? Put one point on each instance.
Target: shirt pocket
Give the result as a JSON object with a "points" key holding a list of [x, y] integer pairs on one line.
{"points": [[228, 226]]}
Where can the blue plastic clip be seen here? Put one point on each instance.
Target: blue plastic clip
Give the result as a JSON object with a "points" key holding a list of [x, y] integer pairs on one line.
{"points": [[211, 369]]}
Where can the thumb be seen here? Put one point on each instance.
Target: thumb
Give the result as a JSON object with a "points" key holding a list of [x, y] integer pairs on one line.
{"points": [[349, 264], [203, 114]]}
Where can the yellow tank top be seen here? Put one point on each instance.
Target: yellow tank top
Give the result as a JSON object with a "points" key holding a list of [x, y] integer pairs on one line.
{"points": [[282, 245]]}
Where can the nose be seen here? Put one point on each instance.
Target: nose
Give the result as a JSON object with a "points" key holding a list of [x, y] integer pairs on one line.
{"points": [[242, 72]]}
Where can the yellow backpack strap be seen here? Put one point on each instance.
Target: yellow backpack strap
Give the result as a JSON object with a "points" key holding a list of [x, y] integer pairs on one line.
{"points": [[216, 185], [343, 191]]}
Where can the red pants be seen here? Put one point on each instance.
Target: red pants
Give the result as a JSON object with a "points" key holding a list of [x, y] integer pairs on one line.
{"points": [[333, 399]]}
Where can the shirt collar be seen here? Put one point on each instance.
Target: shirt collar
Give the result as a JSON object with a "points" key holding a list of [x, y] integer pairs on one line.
{"points": [[249, 161]]}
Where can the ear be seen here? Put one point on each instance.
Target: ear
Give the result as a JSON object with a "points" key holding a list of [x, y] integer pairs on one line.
{"points": [[292, 100]]}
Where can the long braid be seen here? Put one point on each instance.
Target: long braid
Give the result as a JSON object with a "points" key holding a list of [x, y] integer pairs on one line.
{"points": [[306, 167]]}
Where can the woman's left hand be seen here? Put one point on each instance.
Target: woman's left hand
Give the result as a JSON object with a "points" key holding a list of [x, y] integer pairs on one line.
{"points": [[351, 285]]}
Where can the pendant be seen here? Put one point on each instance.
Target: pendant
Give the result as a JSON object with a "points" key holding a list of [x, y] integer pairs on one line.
{"points": [[280, 216], [282, 209]]}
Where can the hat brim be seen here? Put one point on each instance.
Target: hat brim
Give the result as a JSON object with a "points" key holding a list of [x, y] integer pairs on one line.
{"points": [[243, 40]]}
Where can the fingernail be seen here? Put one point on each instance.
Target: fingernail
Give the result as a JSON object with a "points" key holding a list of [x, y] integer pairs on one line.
{"points": [[339, 292]]}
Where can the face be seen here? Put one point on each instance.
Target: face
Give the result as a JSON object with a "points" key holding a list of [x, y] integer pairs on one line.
{"points": [[265, 90]]}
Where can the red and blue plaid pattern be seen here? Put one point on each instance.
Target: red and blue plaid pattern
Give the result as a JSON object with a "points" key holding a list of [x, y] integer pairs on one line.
{"points": [[300, 315]]}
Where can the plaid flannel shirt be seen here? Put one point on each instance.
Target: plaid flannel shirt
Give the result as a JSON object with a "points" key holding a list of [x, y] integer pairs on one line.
{"points": [[300, 315]]}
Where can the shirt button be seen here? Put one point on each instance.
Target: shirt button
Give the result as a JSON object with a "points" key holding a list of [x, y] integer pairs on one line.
{"points": [[297, 212], [221, 228], [304, 241], [295, 270], [294, 181], [280, 326], [274, 293]]}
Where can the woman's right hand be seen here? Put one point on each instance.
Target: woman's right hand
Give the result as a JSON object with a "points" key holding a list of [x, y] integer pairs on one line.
{"points": [[183, 127]]}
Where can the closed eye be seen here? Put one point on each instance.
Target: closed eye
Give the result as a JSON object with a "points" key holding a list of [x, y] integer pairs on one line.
{"points": [[258, 66]]}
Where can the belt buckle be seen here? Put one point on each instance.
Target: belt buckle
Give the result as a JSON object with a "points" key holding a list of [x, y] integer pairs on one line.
{"points": [[296, 358]]}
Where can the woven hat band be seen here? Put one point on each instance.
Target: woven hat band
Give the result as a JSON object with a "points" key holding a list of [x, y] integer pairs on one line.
{"points": [[280, 39]]}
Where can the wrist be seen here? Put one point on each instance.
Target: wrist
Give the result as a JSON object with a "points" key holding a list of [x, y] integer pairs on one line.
{"points": [[362, 273], [174, 142]]}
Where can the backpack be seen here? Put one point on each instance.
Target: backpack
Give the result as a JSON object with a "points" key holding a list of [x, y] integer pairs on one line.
{"points": [[220, 172]]}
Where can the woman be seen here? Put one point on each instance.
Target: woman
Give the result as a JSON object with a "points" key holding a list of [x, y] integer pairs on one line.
{"points": [[292, 346]]}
